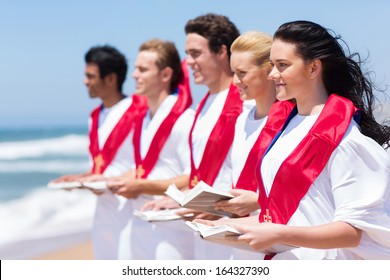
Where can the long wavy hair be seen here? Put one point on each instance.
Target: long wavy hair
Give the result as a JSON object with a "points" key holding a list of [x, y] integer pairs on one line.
{"points": [[342, 73]]}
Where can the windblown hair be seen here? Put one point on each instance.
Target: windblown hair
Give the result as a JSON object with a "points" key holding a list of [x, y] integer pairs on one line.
{"points": [[168, 56], [217, 29], [342, 73], [109, 60]]}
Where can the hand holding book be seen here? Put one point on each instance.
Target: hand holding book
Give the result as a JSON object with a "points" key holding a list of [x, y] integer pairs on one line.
{"points": [[202, 198]]}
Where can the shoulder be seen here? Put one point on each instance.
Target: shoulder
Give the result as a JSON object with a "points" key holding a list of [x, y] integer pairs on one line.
{"points": [[356, 145], [187, 116]]}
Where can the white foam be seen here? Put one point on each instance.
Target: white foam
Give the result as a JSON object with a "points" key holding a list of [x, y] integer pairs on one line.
{"points": [[65, 145], [44, 220], [47, 166]]}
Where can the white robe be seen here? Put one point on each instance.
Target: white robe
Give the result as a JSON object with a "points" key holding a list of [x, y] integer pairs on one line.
{"points": [[204, 125], [354, 187], [110, 215], [172, 239], [247, 130]]}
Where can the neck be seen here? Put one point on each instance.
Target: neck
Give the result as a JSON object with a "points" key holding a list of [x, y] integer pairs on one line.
{"points": [[263, 105], [112, 99], [154, 102], [311, 104], [223, 82]]}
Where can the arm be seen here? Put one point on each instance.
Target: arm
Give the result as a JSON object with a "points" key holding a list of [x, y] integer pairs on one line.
{"points": [[71, 177], [129, 187], [244, 203], [327, 236]]}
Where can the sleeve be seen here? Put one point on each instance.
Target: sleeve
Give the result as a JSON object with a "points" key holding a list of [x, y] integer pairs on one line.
{"points": [[360, 177], [181, 132]]}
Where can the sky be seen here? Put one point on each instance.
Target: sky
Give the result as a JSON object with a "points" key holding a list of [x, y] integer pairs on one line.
{"points": [[43, 42]]}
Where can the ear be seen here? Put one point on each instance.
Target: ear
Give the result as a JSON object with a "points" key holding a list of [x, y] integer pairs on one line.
{"points": [[223, 52], [315, 68], [111, 79], [166, 74]]}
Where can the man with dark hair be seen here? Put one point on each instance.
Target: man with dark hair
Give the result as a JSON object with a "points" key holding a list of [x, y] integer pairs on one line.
{"points": [[110, 146]]}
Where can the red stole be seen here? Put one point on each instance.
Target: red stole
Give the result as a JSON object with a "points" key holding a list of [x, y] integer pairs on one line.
{"points": [[279, 112], [103, 157], [145, 166], [220, 139], [301, 168]]}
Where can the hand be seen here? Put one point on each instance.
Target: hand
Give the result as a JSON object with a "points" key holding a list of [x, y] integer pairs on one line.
{"points": [[211, 223], [93, 178], [259, 236], [160, 204], [244, 203], [195, 214], [125, 186], [68, 178]]}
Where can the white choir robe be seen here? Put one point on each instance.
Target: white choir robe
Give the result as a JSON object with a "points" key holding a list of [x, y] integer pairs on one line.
{"points": [[171, 239], [208, 117], [247, 130], [111, 216], [354, 187]]}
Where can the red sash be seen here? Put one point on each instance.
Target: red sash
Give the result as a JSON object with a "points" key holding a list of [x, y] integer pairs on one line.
{"points": [[184, 100], [220, 139], [301, 168], [103, 157], [279, 112]]}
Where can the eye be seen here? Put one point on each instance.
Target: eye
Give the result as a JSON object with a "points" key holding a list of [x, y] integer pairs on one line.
{"points": [[194, 54], [240, 74]]}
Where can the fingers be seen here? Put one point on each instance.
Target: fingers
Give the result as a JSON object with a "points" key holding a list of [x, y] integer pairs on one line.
{"points": [[205, 222], [148, 206]]}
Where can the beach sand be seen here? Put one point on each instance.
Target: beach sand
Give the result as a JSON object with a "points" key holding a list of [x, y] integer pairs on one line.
{"points": [[81, 251]]}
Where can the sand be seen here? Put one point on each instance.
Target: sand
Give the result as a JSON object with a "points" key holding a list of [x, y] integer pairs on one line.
{"points": [[81, 251]]}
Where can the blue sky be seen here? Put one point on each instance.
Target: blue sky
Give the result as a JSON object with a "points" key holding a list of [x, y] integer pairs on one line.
{"points": [[43, 42]]}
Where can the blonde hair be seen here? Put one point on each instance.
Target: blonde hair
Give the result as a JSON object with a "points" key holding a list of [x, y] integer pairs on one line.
{"points": [[258, 43]]}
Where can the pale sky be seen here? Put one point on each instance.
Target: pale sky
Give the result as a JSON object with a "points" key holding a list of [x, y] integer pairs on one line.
{"points": [[43, 42]]}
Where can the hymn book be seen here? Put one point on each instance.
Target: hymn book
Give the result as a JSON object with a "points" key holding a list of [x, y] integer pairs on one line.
{"points": [[202, 198], [99, 185], [159, 215], [218, 234]]}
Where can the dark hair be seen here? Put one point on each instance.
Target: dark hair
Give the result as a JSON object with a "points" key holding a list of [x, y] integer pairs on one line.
{"points": [[342, 73], [168, 56], [217, 29], [109, 60]]}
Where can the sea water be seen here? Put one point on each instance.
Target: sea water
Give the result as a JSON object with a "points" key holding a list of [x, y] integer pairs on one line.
{"points": [[34, 219]]}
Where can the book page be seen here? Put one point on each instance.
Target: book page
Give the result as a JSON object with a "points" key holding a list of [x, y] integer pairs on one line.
{"points": [[99, 185], [217, 234], [159, 215], [202, 198], [176, 194]]}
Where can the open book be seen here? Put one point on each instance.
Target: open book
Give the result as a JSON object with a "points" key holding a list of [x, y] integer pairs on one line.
{"points": [[217, 234], [202, 197], [159, 215], [98, 185]]}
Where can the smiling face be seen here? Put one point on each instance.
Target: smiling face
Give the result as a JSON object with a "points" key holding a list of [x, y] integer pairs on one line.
{"points": [[289, 72], [205, 65], [250, 78], [146, 74]]}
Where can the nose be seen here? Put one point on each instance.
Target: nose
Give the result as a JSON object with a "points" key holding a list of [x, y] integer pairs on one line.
{"points": [[274, 74], [134, 74], [236, 80], [190, 60]]}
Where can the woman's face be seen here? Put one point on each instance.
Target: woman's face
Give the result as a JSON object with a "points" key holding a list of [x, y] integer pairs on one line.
{"points": [[250, 78], [289, 71]]}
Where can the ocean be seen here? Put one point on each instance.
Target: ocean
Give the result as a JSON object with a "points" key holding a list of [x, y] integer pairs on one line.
{"points": [[34, 219]]}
